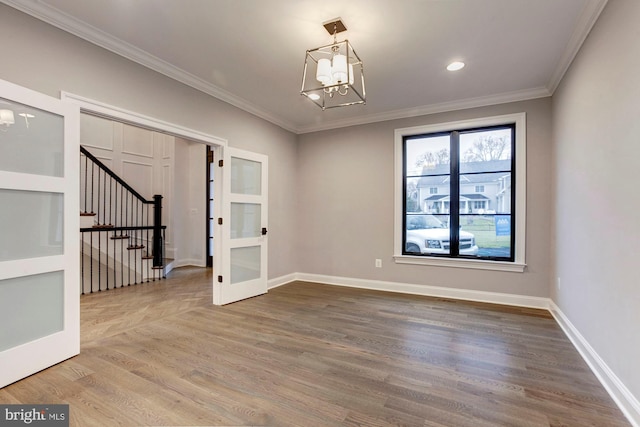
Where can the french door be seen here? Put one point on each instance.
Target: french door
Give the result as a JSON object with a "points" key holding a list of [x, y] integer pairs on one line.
{"points": [[243, 272], [39, 232]]}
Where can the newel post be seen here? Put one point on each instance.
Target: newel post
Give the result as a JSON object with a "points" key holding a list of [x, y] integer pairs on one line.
{"points": [[157, 231]]}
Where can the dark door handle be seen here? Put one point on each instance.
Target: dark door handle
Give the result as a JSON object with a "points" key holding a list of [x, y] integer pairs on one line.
{"points": [[264, 231]]}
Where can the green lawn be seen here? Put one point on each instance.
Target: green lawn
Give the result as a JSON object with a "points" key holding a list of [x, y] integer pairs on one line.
{"points": [[485, 231]]}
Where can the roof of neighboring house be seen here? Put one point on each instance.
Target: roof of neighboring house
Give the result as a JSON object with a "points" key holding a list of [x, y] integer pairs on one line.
{"points": [[437, 197], [476, 196], [471, 172]]}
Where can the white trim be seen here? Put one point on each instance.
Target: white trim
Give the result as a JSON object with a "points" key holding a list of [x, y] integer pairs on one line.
{"points": [[30, 182], [477, 264], [586, 21], [70, 24], [32, 266], [98, 108], [521, 192], [189, 262], [101, 109], [415, 289], [626, 401], [59, 19], [134, 162], [502, 98], [282, 280]]}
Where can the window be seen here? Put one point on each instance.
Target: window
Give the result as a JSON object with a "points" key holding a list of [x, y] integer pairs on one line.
{"points": [[480, 165]]}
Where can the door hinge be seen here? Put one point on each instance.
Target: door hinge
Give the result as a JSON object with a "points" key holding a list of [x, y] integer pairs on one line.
{"points": [[219, 279], [219, 221], [210, 156], [220, 163]]}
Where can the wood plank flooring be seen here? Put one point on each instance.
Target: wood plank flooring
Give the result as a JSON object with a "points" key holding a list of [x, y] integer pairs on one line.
{"points": [[315, 355]]}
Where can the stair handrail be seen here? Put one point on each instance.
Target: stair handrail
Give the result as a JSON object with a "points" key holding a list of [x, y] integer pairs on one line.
{"points": [[156, 202], [114, 175]]}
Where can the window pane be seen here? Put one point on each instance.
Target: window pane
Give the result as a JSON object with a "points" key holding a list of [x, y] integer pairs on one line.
{"points": [[485, 151], [485, 193], [245, 264], [246, 176], [412, 195], [245, 220], [427, 155], [30, 224], [31, 140], [31, 307], [427, 234], [492, 234]]}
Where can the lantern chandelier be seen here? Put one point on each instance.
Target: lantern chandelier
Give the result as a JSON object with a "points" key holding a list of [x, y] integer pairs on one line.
{"points": [[333, 75]]}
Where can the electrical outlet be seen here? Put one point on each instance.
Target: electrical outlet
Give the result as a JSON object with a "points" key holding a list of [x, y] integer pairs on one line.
{"points": [[378, 263]]}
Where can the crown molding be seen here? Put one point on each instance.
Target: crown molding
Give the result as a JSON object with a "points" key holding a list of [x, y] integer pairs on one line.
{"points": [[586, 21], [95, 36], [502, 98]]}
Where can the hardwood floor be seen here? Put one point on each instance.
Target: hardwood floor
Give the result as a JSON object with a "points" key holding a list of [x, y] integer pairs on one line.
{"points": [[315, 355]]}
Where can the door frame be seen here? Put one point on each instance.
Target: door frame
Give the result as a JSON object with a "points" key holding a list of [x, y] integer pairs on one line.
{"points": [[216, 144]]}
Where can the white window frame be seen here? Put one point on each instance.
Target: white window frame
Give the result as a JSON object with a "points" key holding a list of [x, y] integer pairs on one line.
{"points": [[519, 264]]}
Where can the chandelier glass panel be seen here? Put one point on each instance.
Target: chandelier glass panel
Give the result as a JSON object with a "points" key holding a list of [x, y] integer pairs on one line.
{"points": [[333, 75]]}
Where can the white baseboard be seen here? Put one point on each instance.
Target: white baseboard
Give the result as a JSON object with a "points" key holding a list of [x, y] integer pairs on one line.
{"points": [[282, 280], [432, 291], [188, 262], [625, 400]]}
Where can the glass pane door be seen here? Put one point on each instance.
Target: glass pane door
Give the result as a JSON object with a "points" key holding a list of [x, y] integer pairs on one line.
{"points": [[39, 229], [244, 272]]}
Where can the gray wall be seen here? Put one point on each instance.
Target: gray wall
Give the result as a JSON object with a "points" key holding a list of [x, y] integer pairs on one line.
{"points": [[40, 57], [346, 210], [596, 114]]}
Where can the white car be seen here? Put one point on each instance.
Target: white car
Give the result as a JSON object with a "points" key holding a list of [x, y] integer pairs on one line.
{"points": [[426, 234]]}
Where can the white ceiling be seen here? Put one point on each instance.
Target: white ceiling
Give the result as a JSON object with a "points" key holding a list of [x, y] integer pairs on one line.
{"points": [[250, 53]]}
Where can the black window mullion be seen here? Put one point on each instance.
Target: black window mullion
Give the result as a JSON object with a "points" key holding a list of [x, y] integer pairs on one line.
{"points": [[454, 191]]}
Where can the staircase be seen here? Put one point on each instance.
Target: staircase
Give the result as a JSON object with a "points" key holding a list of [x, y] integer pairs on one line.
{"points": [[122, 236]]}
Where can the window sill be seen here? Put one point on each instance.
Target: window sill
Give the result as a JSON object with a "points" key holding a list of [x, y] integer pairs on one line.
{"points": [[514, 267]]}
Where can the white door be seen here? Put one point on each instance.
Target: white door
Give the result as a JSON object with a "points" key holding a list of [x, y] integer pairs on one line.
{"points": [[39, 232], [243, 272]]}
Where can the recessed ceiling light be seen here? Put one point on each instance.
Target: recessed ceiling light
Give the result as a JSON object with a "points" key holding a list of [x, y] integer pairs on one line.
{"points": [[455, 66], [314, 96]]}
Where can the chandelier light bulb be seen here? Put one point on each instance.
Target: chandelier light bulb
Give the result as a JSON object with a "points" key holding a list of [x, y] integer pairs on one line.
{"points": [[339, 69], [323, 73]]}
